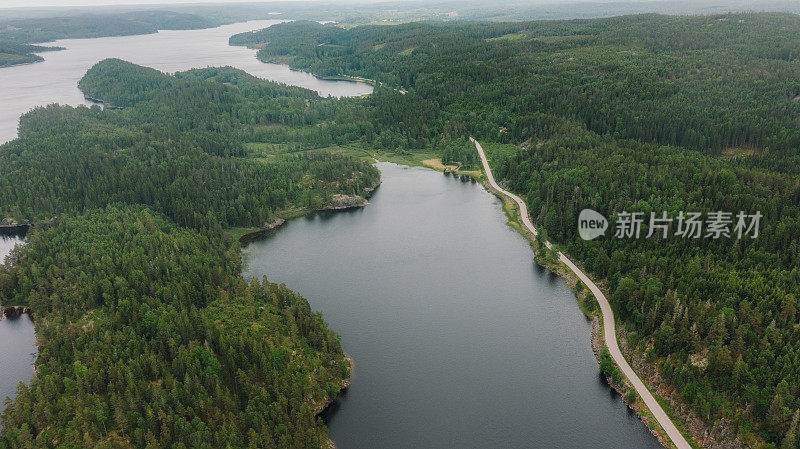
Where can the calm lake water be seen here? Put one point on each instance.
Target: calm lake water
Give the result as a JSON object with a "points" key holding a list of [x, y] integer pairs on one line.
{"points": [[56, 79], [17, 340], [459, 340]]}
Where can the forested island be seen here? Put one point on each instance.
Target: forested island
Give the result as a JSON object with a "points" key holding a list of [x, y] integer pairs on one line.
{"points": [[636, 113]]}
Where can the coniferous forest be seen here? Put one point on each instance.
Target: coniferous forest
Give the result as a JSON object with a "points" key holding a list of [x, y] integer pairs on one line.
{"points": [[644, 113], [149, 337]]}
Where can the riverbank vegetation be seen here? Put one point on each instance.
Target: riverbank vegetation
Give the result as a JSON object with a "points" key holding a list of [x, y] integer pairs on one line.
{"points": [[148, 336], [638, 113]]}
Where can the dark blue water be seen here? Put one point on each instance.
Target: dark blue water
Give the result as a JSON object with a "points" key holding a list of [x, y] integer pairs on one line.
{"points": [[458, 339]]}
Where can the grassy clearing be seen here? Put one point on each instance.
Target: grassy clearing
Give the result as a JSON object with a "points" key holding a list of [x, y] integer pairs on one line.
{"points": [[437, 165], [237, 232], [267, 151], [407, 51], [413, 159], [519, 36]]}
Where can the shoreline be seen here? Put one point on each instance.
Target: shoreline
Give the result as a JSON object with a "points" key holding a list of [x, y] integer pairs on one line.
{"points": [[359, 201], [721, 433], [596, 336], [102, 103], [266, 231], [668, 438], [14, 312], [340, 77], [327, 405]]}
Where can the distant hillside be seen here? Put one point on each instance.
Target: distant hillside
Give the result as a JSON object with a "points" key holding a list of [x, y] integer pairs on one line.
{"points": [[14, 34]]}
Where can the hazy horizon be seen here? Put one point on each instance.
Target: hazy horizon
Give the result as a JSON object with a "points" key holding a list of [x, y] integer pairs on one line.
{"points": [[89, 3]]}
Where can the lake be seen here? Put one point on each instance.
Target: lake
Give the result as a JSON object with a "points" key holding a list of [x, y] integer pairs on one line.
{"points": [[56, 79], [458, 338]]}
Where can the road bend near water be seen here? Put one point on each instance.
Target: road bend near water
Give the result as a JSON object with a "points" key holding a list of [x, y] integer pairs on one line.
{"points": [[609, 327]]}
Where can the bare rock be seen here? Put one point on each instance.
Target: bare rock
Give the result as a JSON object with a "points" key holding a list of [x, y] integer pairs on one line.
{"points": [[339, 202]]}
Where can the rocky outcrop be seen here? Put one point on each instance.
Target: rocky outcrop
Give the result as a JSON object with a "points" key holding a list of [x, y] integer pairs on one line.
{"points": [[721, 433], [339, 201], [368, 191], [14, 311], [343, 386], [102, 103], [336, 202], [9, 224]]}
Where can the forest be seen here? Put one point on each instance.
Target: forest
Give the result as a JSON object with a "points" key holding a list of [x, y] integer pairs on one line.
{"points": [[148, 335], [131, 258], [644, 113], [13, 54], [178, 149]]}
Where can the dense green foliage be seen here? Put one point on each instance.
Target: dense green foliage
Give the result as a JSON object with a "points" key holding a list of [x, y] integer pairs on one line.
{"points": [[705, 83], [173, 151], [148, 337], [637, 113]]}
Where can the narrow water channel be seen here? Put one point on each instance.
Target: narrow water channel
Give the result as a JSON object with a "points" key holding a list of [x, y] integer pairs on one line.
{"points": [[17, 338], [459, 340]]}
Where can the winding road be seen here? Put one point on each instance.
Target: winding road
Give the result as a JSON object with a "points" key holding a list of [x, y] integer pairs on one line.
{"points": [[609, 327]]}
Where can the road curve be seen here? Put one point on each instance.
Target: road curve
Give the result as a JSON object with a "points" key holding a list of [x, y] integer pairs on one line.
{"points": [[609, 327]]}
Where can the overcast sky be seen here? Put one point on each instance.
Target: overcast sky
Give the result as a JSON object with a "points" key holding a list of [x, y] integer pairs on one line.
{"points": [[37, 3]]}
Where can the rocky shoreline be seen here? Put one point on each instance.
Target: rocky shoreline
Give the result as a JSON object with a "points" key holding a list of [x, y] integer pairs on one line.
{"points": [[337, 202], [10, 225], [721, 434], [344, 385], [14, 312], [102, 103]]}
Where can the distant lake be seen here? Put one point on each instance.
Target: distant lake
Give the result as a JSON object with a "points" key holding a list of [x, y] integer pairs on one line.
{"points": [[56, 79], [459, 339]]}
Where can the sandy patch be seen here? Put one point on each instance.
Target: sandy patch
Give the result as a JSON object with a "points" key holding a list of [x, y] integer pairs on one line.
{"points": [[436, 164]]}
